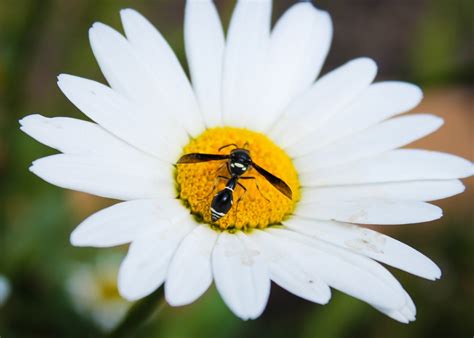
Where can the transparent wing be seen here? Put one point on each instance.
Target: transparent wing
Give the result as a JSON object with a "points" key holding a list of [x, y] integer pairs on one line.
{"points": [[275, 181], [198, 157]]}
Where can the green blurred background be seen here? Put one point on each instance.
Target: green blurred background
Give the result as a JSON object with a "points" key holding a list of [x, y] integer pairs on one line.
{"points": [[61, 291]]}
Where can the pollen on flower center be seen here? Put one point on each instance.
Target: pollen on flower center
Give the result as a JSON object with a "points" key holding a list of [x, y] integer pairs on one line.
{"points": [[198, 183]]}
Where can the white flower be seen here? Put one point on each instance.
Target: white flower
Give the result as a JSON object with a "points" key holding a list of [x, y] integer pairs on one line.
{"points": [[5, 290], [339, 133], [94, 293]]}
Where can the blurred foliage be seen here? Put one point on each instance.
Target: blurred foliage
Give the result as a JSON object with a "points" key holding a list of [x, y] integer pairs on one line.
{"points": [[429, 42]]}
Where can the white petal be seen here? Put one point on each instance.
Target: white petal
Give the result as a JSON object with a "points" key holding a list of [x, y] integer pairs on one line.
{"points": [[170, 93], [388, 135], [371, 211], [393, 166], [316, 105], [73, 136], [120, 64], [376, 103], [123, 222], [129, 74], [106, 177], [412, 191], [405, 314], [123, 118], [190, 273], [298, 47], [341, 269], [241, 275], [244, 60], [205, 43], [144, 268], [291, 270], [368, 243]]}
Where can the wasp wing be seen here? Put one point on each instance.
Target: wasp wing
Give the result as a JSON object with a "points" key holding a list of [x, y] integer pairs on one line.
{"points": [[275, 181], [198, 157]]}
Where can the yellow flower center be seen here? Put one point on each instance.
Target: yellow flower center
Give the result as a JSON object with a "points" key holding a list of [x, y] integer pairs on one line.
{"points": [[258, 207]]}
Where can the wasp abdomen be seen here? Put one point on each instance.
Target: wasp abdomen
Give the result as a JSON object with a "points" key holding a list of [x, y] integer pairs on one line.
{"points": [[221, 204]]}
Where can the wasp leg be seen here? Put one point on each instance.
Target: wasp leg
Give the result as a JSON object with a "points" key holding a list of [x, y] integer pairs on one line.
{"points": [[256, 183], [219, 168], [216, 182]]}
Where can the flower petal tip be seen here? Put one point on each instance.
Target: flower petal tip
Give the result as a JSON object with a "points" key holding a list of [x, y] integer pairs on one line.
{"points": [[324, 301], [418, 92], [173, 300], [62, 78], [367, 60], [434, 274], [124, 292], [129, 12], [98, 25], [402, 319], [97, 31], [24, 120], [367, 64], [130, 298], [436, 213], [74, 239], [32, 167], [461, 187], [79, 238], [434, 120], [438, 274]]}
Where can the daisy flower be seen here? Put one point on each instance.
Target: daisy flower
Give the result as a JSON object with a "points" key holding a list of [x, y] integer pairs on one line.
{"points": [[333, 141], [93, 291]]}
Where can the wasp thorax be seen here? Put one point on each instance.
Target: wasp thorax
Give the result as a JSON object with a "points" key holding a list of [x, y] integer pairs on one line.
{"points": [[255, 203]]}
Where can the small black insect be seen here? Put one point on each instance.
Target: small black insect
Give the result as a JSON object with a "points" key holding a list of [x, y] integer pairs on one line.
{"points": [[238, 163]]}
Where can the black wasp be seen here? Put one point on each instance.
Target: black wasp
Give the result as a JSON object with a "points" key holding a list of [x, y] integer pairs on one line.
{"points": [[238, 163]]}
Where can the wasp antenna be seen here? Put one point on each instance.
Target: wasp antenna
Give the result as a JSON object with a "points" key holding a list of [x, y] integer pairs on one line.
{"points": [[228, 145]]}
